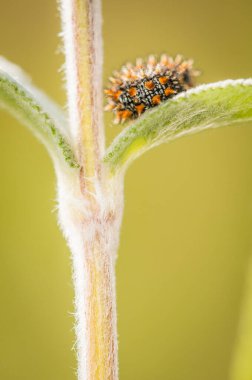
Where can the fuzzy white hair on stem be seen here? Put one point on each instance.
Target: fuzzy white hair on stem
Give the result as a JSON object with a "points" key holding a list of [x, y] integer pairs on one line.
{"points": [[92, 229]]}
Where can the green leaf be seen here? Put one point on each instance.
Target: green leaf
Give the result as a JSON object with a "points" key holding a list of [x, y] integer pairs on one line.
{"points": [[203, 107], [35, 110]]}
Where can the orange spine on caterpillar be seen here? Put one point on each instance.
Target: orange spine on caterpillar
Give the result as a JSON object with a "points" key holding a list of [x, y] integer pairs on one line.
{"points": [[136, 88]]}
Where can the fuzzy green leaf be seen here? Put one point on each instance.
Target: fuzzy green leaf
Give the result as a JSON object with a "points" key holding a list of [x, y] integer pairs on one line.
{"points": [[35, 110], [203, 107]]}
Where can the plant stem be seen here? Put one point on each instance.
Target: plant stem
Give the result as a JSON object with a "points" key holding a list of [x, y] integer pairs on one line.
{"points": [[93, 240], [241, 368], [81, 21], [90, 203]]}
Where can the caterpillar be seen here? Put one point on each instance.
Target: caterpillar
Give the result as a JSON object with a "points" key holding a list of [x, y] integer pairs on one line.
{"points": [[136, 88]]}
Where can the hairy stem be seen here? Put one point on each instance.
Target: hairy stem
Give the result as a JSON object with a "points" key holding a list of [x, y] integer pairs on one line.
{"points": [[90, 204], [93, 240], [83, 49]]}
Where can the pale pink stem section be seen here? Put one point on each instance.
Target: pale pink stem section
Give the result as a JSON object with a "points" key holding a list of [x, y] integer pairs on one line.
{"points": [[93, 240], [90, 203]]}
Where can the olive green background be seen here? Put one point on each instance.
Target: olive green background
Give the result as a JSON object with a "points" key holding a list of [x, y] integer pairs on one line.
{"points": [[186, 233]]}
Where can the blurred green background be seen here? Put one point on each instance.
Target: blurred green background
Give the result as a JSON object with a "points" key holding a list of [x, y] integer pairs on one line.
{"points": [[186, 233]]}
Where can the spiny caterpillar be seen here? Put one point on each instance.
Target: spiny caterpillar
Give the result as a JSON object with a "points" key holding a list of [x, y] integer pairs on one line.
{"points": [[136, 88]]}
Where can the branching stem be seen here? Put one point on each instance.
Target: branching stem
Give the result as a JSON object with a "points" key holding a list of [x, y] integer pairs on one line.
{"points": [[90, 206]]}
